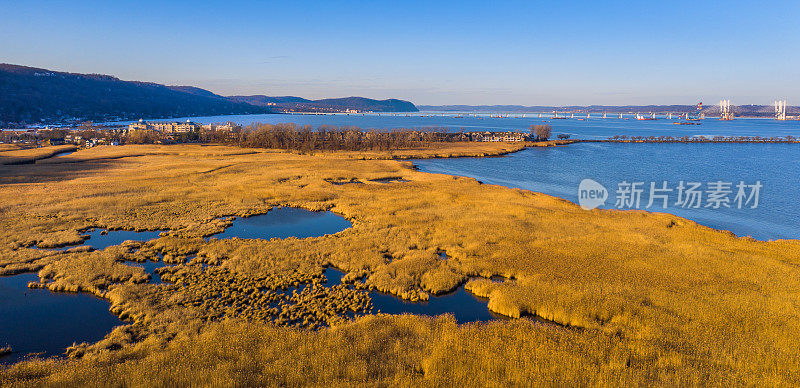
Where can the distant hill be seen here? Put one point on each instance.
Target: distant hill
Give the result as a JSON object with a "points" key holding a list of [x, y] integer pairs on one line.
{"points": [[195, 91], [31, 95], [298, 104], [711, 110], [262, 100]]}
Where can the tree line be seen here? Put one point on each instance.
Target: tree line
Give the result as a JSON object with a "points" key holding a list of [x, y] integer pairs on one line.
{"points": [[303, 138], [287, 136], [307, 138]]}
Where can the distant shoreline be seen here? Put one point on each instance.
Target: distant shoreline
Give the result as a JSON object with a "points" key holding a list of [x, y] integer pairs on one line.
{"points": [[689, 141]]}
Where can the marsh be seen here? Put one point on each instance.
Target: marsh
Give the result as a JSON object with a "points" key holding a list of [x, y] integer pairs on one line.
{"points": [[629, 293]]}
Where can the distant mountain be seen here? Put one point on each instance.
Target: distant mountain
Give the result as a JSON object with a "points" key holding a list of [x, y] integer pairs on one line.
{"points": [[298, 104], [711, 110], [195, 91], [262, 100], [31, 95], [485, 108]]}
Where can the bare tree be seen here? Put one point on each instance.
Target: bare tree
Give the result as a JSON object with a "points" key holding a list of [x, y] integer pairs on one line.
{"points": [[541, 131]]}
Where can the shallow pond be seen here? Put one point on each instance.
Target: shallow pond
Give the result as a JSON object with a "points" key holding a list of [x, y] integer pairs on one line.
{"points": [[283, 222], [44, 322], [101, 238], [98, 240], [463, 305], [280, 222]]}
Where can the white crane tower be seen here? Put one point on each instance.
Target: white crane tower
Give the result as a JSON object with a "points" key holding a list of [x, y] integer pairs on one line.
{"points": [[780, 110], [725, 112]]}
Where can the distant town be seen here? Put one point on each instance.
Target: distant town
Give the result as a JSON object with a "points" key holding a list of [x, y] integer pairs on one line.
{"points": [[89, 135]]}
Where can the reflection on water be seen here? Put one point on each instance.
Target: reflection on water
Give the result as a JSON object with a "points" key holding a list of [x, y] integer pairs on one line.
{"points": [[40, 321], [283, 222]]}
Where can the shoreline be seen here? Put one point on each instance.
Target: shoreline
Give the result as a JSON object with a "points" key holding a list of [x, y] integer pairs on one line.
{"points": [[691, 141], [552, 144]]}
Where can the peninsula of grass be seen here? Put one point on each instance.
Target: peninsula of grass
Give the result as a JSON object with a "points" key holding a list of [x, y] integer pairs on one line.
{"points": [[10, 154], [625, 297]]}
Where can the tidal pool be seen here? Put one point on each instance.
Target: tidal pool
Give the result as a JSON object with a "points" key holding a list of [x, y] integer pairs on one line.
{"points": [[46, 323], [464, 306], [283, 222]]}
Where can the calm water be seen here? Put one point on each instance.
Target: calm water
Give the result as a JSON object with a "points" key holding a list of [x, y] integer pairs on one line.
{"points": [[37, 320], [100, 241], [464, 306], [559, 170], [283, 222], [592, 128], [280, 222], [115, 237]]}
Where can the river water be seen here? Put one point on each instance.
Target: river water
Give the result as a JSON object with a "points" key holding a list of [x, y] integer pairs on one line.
{"points": [[558, 171]]}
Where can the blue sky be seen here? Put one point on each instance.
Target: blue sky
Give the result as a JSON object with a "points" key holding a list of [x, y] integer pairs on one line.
{"points": [[445, 52]]}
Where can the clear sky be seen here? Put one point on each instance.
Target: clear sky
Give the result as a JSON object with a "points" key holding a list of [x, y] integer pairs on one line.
{"points": [[429, 52]]}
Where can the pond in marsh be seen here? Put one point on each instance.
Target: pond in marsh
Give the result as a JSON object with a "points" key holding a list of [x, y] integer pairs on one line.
{"points": [[102, 238], [283, 222], [463, 305], [99, 240], [279, 222], [44, 322]]}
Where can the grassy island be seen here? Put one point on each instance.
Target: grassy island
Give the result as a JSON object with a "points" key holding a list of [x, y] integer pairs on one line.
{"points": [[599, 297]]}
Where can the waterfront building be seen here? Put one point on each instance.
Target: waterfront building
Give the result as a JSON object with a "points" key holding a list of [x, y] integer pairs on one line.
{"points": [[499, 136]]}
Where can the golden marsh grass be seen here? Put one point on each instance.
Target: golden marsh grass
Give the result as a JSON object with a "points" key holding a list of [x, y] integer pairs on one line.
{"points": [[635, 297], [11, 154]]}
